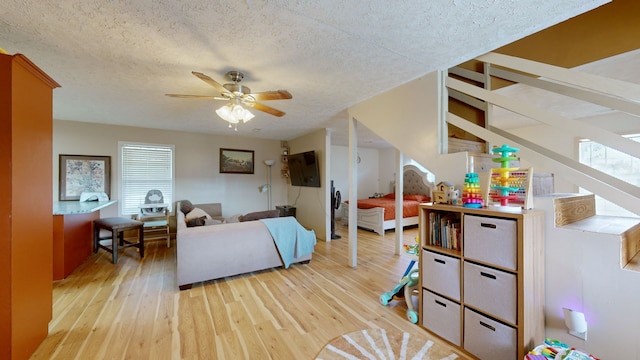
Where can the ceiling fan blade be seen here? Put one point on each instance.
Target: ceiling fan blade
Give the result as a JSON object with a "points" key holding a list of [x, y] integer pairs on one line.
{"points": [[210, 81], [272, 95], [191, 96], [265, 108]]}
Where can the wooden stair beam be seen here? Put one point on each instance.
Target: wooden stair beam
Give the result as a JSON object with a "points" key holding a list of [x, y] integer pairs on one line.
{"points": [[630, 249], [575, 208]]}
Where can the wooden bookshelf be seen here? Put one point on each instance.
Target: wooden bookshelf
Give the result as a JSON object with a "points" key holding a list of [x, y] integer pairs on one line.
{"points": [[487, 298]]}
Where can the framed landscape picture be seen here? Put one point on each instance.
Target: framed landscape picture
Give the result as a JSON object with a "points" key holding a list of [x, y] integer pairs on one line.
{"points": [[79, 173], [234, 161]]}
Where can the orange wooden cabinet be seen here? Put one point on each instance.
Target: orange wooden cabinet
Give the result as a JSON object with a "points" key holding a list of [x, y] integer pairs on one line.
{"points": [[26, 203], [72, 241]]}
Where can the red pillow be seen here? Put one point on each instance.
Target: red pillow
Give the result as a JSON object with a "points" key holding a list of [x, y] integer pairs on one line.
{"points": [[390, 196], [416, 197]]}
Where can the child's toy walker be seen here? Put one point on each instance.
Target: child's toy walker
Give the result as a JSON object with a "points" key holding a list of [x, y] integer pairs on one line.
{"points": [[408, 285]]}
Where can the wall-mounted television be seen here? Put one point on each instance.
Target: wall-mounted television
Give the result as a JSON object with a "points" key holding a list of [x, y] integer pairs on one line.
{"points": [[303, 169]]}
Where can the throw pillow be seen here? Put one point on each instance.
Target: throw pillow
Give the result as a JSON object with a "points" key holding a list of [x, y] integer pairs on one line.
{"points": [[233, 219], [208, 222], [261, 215], [197, 221], [416, 197], [186, 206], [196, 213]]}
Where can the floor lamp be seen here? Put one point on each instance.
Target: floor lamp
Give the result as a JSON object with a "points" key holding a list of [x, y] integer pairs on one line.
{"points": [[269, 163]]}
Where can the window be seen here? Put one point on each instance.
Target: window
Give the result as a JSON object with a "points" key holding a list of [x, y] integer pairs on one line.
{"points": [[144, 167], [615, 163]]}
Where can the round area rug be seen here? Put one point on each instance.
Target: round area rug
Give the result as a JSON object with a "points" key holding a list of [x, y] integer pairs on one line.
{"points": [[382, 344]]}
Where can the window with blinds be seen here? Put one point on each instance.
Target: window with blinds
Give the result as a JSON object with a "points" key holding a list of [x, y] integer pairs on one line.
{"points": [[144, 167]]}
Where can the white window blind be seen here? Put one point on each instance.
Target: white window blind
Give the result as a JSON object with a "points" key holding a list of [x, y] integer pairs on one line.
{"points": [[144, 167]]}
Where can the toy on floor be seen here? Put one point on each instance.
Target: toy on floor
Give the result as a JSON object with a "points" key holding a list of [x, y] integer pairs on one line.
{"points": [[403, 291], [557, 350], [408, 283], [411, 250]]}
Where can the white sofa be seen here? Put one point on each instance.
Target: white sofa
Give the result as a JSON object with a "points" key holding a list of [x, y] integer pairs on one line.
{"points": [[216, 251]]}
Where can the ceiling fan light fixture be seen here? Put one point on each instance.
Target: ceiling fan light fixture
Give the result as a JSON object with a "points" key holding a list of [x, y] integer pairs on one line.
{"points": [[234, 113], [236, 95], [225, 113], [248, 115]]}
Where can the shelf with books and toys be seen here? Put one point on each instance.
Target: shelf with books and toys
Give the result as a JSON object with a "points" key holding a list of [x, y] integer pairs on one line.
{"points": [[481, 275], [443, 232]]}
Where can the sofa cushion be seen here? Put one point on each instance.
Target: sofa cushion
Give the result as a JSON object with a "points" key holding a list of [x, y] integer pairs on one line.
{"points": [[261, 215], [197, 221], [186, 206], [196, 213], [233, 219], [208, 222]]}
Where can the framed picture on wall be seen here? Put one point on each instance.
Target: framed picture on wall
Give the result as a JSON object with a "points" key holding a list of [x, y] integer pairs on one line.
{"points": [[235, 161], [80, 173]]}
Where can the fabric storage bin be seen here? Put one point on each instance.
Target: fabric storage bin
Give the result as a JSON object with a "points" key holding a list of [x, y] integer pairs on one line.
{"points": [[491, 240], [489, 339], [441, 316], [492, 291], [441, 274]]}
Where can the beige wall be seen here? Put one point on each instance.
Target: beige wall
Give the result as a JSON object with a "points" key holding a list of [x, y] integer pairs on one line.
{"points": [[196, 163], [407, 117], [313, 204]]}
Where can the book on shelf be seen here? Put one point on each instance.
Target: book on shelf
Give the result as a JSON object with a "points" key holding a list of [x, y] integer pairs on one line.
{"points": [[444, 231]]}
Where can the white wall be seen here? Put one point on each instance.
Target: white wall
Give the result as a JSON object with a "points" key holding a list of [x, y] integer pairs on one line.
{"points": [[368, 178], [197, 164], [582, 272], [376, 171], [369, 181], [387, 169]]}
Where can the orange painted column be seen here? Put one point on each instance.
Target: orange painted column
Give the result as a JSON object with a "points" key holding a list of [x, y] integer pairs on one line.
{"points": [[26, 192]]}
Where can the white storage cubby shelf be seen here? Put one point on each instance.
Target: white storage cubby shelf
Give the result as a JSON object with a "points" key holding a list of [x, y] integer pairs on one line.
{"points": [[482, 278]]}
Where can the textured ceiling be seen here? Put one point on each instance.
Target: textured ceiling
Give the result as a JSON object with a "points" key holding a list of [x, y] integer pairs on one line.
{"points": [[115, 59]]}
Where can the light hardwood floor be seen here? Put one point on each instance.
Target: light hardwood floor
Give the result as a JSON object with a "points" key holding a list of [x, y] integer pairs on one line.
{"points": [[134, 310]]}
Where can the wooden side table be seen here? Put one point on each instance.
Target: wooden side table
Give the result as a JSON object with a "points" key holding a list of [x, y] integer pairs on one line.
{"points": [[286, 210], [117, 226]]}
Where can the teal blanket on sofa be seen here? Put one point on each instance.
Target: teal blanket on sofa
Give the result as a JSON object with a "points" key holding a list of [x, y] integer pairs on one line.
{"points": [[291, 238]]}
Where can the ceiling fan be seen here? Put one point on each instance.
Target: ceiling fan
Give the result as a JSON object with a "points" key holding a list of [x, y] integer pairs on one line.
{"points": [[236, 94]]}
